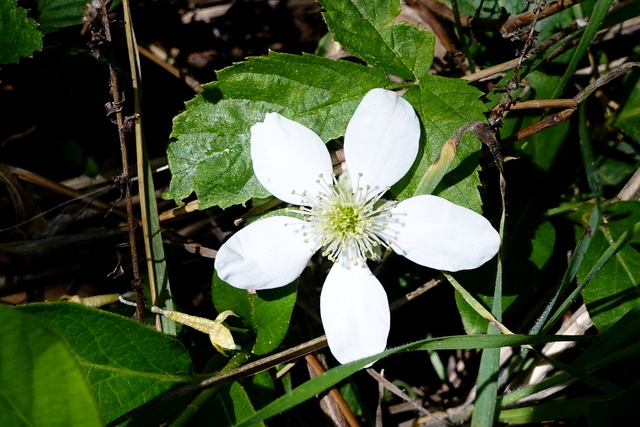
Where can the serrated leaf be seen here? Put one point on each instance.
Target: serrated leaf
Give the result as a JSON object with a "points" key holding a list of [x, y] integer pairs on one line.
{"points": [[616, 288], [367, 29], [444, 105], [126, 363], [267, 312], [41, 382], [18, 34], [209, 150], [57, 14]]}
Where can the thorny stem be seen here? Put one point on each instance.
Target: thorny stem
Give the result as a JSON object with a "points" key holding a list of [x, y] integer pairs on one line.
{"points": [[98, 20]]}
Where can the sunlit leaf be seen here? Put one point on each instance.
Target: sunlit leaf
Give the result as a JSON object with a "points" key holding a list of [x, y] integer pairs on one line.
{"points": [[209, 150], [367, 29], [126, 363], [41, 381]]}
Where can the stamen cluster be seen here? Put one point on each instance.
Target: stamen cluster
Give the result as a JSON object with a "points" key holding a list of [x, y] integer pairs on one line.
{"points": [[348, 226]]}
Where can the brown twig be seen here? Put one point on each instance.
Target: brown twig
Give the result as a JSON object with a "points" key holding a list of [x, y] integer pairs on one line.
{"points": [[59, 188], [507, 27], [564, 115], [317, 369], [397, 391], [97, 18], [514, 23]]}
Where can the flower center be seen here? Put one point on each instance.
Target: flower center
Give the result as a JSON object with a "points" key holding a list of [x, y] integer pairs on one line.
{"points": [[344, 220], [349, 227]]}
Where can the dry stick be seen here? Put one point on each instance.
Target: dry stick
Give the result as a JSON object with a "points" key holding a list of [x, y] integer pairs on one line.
{"points": [[631, 190], [40, 180], [397, 391], [185, 77], [564, 115], [65, 190], [519, 21], [500, 68], [506, 27], [334, 394]]}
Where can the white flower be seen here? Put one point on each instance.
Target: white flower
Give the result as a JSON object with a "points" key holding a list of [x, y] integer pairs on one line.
{"points": [[346, 218]]}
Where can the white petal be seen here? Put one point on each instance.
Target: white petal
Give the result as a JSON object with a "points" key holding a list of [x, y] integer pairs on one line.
{"points": [[436, 233], [266, 254], [288, 157], [355, 313], [381, 141]]}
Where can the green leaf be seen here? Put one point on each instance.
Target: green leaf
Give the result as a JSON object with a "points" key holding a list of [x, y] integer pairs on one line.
{"points": [[616, 287], [209, 150], [627, 117], [18, 34], [41, 382], [555, 410], [231, 404], [267, 312], [444, 105], [367, 29], [126, 363], [57, 14]]}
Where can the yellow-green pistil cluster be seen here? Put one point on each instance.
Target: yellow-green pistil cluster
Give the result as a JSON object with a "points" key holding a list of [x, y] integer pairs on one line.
{"points": [[347, 225]]}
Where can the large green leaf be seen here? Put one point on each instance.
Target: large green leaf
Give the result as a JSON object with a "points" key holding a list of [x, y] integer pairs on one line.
{"points": [[616, 287], [41, 382], [209, 150], [18, 34], [444, 105], [126, 363], [367, 29], [267, 312]]}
